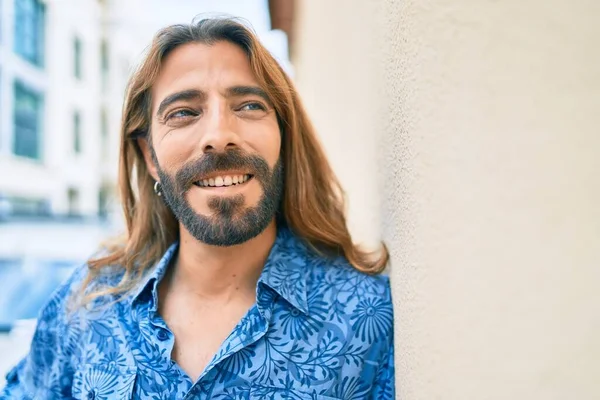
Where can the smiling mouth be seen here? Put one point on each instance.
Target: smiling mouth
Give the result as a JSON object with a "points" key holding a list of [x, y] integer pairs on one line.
{"points": [[224, 181]]}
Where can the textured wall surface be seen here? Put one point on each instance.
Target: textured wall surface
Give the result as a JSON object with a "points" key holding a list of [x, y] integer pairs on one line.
{"points": [[488, 171], [493, 134]]}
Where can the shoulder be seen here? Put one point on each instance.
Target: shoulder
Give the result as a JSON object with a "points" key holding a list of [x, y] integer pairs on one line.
{"points": [[330, 275], [64, 296], [360, 301], [337, 277], [65, 304], [65, 319]]}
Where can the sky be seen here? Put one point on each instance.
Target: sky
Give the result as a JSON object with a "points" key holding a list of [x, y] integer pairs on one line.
{"points": [[145, 17]]}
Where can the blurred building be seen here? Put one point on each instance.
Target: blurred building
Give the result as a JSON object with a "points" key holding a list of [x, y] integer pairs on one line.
{"points": [[53, 117]]}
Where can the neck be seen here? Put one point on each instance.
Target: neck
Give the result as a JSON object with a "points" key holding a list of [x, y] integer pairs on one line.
{"points": [[215, 272]]}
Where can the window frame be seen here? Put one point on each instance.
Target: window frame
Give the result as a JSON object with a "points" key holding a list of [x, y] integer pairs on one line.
{"points": [[77, 138], [23, 120], [29, 40], [77, 57]]}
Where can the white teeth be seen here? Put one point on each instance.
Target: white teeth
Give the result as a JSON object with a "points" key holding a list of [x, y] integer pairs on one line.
{"points": [[221, 181]]}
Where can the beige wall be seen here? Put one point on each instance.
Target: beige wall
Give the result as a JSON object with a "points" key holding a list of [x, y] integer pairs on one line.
{"points": [[482, 142]]}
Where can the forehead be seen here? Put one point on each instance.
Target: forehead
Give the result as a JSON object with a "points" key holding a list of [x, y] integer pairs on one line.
{"points": [[204, 67]]}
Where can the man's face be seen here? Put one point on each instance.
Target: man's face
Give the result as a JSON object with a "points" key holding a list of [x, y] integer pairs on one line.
{"points": [[215, 144]]}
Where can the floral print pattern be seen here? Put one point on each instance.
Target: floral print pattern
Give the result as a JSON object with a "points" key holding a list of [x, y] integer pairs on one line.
{"points": [[319, 330]]}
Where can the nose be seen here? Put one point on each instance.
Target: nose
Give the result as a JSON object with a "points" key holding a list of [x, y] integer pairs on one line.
{"points": [[219, 129]]}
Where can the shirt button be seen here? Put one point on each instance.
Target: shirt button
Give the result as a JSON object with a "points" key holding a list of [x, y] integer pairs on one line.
{"points": [[162, 335], [91, 395]]}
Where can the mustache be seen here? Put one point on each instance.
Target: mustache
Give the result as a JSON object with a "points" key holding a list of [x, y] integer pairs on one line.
{"points": [[223, 161]]}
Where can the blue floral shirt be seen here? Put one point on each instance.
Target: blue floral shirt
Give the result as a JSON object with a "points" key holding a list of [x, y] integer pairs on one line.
{"points": [[319, 330]]}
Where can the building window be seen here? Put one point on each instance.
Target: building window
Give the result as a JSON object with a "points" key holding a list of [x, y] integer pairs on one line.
{"points": [[103, 134], [1, 34], [27, 122], [77, 67], [103, 198], [77, 132], [29, 30], [23, 206], [2, 141], [104, 64], [73, 198]]}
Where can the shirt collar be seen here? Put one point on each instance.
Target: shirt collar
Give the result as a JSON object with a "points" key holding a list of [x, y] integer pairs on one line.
{"points": [[152, 278], [284, 272]]}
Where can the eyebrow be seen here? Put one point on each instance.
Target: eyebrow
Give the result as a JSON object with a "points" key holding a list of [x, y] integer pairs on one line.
{"points": [[190, 94], [248, 90]]}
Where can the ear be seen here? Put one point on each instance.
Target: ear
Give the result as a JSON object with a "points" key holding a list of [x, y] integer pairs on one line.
{"points": [[147, 152]]}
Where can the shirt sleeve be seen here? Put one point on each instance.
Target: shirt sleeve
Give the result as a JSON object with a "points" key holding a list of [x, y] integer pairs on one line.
{"points": [[384, 386], [46, 372]]}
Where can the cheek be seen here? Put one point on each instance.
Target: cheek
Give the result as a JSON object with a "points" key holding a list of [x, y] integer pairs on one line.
{"points": [[267, 143], [170, 157], [173, 147], [276, 149]]}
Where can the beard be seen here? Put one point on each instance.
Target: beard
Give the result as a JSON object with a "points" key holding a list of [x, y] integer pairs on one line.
{"points": [[231, 223]]}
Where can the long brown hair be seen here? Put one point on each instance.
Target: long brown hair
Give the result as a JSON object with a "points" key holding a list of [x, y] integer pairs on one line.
{"points": [[313, 203]]}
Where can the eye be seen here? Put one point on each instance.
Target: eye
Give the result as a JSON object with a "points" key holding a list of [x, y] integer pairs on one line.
{"points": [[181, 114], [254, 106]]}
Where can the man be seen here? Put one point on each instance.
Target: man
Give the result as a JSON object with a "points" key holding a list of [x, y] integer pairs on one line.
{"points": [[238, 278]]}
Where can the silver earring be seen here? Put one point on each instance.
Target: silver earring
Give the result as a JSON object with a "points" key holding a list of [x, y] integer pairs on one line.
{"points": [[157, 189]]}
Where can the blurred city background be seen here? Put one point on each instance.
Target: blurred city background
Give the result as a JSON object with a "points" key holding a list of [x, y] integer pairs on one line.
{"points": [[64, 66], [465, 134]]}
